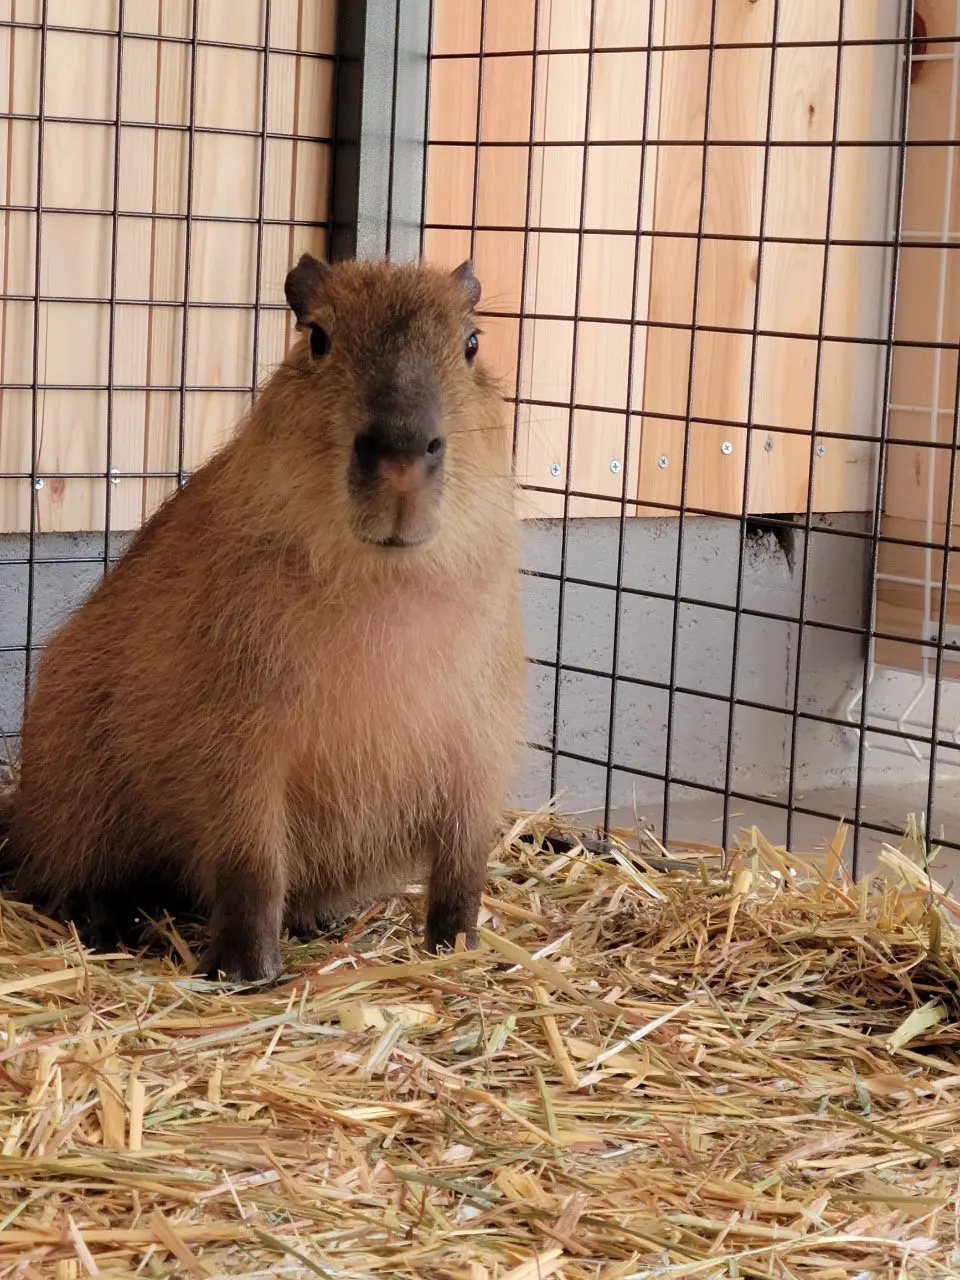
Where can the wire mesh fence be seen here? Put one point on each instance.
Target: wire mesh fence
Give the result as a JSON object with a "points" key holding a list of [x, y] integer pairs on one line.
{"points": [[726, 234], [163, 165], [717, 243]]}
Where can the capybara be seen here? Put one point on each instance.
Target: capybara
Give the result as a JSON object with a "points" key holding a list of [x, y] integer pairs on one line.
{"points": [[302, 684]]}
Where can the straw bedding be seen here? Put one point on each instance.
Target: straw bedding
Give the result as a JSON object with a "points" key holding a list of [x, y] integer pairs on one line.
{"points": [[749, 1070]]}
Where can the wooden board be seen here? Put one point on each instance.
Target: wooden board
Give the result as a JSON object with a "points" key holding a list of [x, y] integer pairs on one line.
{"points": [[548, 396], [75, 261], [542, 388], [576, 370], [924, 384], [791, 276], [907, 607]]}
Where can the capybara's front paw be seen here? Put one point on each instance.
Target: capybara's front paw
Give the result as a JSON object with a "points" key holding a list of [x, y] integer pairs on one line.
{"points": [[443, 929], [241, 960]]}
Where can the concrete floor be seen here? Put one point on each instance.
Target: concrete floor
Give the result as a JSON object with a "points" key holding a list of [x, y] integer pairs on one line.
{"points": [[699, 819]]}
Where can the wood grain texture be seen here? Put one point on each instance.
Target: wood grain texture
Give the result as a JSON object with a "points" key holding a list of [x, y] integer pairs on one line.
{"points": [[151, 249], [563, 173], [542, 388], [924, 382], [794, 276]]}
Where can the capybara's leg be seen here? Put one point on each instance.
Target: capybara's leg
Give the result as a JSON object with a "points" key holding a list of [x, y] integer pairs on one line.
{"points": [[108, 921], [245, 921], [458, 870], [306, 918], [103, 917]]}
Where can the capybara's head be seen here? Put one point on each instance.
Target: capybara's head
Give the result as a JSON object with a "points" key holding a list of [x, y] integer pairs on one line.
{"points": [[393, 429]]}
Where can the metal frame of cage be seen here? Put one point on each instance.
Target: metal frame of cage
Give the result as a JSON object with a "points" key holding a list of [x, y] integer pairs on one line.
{"points": [[383, 79]]}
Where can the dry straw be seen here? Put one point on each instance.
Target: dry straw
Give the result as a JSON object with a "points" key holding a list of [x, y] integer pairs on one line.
{"points": [[747, 1070]]}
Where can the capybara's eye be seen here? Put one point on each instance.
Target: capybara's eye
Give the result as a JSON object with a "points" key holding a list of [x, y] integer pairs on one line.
{"points": [[319, 341], [471, 347]]}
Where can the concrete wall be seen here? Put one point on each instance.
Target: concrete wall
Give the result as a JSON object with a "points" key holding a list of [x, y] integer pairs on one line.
{"points": [[58, 588], [832, 663]]}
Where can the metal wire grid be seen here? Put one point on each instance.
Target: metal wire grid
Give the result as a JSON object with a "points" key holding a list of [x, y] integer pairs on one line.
{"points": [[622, 504], [911, 50], [186, 304]]}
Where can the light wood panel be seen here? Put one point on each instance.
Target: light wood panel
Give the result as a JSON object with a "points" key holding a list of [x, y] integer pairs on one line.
{"points": [[74, 348], [549, 187], [606, 177], [924, 383], [793, 278], [606, 174], [554, 174]]}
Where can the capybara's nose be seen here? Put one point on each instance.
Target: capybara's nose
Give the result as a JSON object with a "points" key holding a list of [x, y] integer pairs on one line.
{"points": [[403, 474], [403, 458]]}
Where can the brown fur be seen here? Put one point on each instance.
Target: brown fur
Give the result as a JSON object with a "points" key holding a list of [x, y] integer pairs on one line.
{"points": [[259, 714]]}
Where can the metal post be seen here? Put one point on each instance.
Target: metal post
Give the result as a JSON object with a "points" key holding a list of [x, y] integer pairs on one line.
{"points": [[379, 139]]}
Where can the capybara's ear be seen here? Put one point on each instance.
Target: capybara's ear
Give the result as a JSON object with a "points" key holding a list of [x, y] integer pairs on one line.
{"points": [[303, 286], [469, 282]]}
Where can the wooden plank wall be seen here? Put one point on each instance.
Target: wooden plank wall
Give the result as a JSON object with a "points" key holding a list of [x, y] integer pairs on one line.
{"points": [[76, 252], [513, 188], [924, 385]]}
